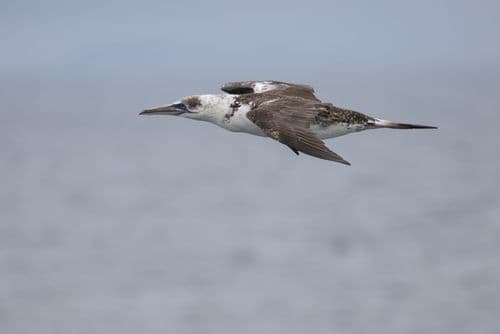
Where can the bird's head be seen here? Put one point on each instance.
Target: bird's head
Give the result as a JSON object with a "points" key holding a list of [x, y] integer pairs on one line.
{"points": [[201, 107]]}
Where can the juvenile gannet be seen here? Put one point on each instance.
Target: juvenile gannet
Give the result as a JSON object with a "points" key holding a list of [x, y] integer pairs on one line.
{"points": [[288, 113]]}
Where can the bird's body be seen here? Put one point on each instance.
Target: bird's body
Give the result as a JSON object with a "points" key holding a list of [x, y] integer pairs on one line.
{"points": [[288, 113], [236, 119]]}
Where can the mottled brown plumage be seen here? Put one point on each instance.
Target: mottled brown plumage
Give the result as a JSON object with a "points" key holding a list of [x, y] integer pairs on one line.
{"points": [[288, 112], [291, 126]]}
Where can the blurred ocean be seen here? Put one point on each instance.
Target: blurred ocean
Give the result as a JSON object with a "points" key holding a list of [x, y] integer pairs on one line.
{"points": [[115, 223]]}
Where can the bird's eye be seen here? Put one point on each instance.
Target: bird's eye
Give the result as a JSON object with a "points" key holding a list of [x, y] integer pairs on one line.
{"points": [[181, 106]]}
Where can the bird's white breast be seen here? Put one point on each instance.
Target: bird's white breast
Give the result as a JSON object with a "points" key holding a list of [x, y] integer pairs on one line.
{"points": [[236, 120]]}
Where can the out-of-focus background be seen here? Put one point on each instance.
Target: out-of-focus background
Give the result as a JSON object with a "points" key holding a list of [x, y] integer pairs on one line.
{"points": [[114, 223]]}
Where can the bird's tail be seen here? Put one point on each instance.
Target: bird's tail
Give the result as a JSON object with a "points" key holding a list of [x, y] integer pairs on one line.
{"points": [[382, 123]]}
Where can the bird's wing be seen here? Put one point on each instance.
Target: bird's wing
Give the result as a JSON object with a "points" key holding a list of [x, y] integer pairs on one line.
{"points": [[291, 126], [275, 87]]}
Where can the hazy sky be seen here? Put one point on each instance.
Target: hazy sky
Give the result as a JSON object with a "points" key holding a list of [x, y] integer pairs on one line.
{"points": [[62, 36]]}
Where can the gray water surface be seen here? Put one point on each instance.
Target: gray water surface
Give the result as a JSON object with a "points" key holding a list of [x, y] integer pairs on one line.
{"points": [[122, 224]]}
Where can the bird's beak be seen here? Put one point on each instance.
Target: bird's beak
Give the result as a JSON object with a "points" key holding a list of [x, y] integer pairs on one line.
{"points": [[165, 110]]}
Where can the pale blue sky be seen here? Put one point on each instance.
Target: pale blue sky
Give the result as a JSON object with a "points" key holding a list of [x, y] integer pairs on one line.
{"points": [[144, 36]]}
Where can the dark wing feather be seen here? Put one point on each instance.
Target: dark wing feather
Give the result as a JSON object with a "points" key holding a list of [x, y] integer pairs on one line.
{"points": [[275, 87], [291, 126]]}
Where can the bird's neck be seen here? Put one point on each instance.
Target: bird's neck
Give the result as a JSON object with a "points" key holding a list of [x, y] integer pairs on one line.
{"points": [[215, 108]]}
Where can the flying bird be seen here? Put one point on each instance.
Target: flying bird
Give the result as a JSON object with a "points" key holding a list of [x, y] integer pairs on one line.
{"points": [[288, 113]]}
